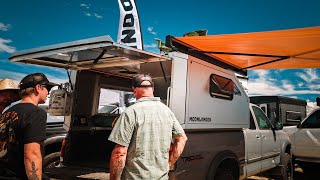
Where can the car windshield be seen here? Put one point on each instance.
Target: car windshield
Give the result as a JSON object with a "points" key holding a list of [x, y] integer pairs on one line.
{"points": [[50, 118], [109, 109]]}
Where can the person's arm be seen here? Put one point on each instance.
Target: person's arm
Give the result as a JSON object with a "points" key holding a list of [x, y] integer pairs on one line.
{"points": [[117, 162], [33, 161], [177, 148]]}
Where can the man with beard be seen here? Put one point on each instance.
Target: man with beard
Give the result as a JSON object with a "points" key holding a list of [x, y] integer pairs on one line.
{"points": [[9, 93]]}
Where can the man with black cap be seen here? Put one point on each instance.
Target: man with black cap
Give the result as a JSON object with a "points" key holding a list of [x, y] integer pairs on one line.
{"points": [[143, 134], [22, 130]]}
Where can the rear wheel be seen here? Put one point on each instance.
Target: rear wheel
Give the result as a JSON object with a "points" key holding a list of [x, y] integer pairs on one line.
{"points": [[223, 174], [287, 168], [51, 160]]}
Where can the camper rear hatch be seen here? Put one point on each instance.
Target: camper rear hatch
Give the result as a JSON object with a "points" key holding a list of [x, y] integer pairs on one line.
{"points": [[99, 53]]}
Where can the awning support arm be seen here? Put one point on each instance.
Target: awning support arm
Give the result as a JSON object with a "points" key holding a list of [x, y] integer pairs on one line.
{"points": [[247, 54], [69, 79], [99, 57], [163, 73], [184, 48], [285, 57], [244, 54]]}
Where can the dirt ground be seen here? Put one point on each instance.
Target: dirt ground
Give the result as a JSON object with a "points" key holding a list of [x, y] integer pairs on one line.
{"points": [[297, 175]]}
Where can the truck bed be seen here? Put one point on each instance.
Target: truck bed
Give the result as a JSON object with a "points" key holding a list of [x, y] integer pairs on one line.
{"points": [[85, 147]]}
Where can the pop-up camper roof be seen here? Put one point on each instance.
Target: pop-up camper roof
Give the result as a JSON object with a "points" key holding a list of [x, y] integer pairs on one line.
{"points": [[282, 49]]}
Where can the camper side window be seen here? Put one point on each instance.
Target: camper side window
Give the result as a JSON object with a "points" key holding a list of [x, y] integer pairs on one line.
{"points": [[223, 88], [293, 116]]}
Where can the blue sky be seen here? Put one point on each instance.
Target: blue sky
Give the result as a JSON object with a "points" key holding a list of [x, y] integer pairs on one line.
{"points": [[34, 23]]}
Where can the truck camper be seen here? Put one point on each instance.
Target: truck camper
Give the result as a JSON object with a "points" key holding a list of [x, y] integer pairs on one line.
{"points": [[283, 110], [205, 96]]}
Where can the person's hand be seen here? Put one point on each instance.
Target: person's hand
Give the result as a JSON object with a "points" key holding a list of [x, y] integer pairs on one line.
{"points": [[171, 166]]}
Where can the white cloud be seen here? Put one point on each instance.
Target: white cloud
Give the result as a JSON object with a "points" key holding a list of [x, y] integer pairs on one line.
{"points": [[314, 87], [18, 76], [98, 16], [310, 79], [87, 14], [309, 75], [263, 85], [4, 47], [311, 106], [152, 48], [150, 30], [12, 75], [153, 45], [4, 27], [87, 6]]}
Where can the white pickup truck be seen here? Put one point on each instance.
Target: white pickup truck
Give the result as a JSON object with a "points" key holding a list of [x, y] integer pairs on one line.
{"points": [[266, 147], [305, 138]]}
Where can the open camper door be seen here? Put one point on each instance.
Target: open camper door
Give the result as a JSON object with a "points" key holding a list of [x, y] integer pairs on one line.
{"points": [[99, 53]]}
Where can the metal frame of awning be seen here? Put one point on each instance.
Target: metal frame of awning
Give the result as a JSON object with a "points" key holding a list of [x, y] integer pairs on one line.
{"points": [[176, 44]]}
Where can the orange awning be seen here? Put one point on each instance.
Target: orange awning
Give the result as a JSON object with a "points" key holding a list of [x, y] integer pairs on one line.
{"points": [[281, 49]]}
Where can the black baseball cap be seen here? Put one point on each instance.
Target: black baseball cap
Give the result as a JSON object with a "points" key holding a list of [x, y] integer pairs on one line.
{"points": [[139, 78], [32, 80]]}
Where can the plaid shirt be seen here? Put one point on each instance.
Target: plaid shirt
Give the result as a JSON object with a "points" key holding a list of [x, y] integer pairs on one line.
{"points": [[146, 128]]}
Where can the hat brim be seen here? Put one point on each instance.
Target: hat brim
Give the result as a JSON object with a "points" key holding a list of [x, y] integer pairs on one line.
{"points": [[52, 84], [4, 89]]}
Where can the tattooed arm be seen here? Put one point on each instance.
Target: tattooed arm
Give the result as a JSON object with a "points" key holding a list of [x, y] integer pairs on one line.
{"points": [[118, 160], [33, 161]]}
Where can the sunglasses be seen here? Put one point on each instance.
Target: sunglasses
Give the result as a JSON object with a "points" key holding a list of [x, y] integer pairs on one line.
{"points": [[48, 87]]}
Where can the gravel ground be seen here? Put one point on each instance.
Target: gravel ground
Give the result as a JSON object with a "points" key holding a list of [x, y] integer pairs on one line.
{"points": [[298, 175]]}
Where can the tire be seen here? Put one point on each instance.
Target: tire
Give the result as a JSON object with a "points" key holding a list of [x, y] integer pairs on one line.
{"points": [[51, 160], [224, 167], [223, 174], [288, 168]]}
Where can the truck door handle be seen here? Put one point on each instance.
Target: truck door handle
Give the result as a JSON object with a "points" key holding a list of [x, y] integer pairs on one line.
{"points": [[258, 137]]}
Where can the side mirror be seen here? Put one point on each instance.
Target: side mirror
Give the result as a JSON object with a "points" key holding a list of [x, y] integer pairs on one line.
{"points": [[299, 124], [277, 126]]}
